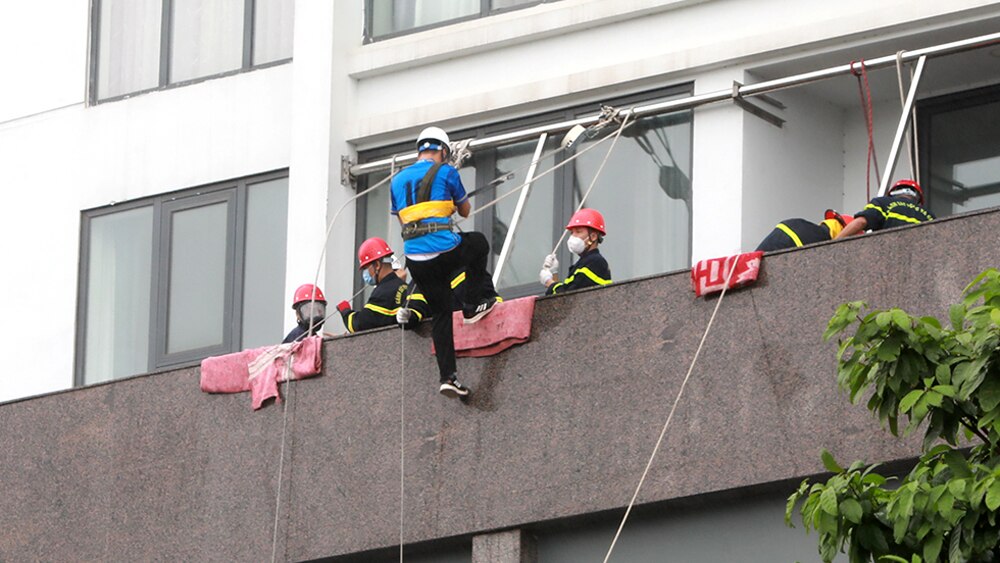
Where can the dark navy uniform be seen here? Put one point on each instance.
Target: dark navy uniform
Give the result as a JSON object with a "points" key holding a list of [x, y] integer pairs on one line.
{"points": [[458, 289], [591, 270], [389, 295], [887, 212], [793, 233]]}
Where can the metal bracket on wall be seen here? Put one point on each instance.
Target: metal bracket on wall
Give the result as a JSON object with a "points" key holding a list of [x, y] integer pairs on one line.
{"points": [[347, 179], [748, 107]]}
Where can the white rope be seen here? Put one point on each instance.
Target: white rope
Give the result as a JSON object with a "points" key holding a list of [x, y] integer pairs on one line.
{"points": [[670, 416], [281, 459], [593, 181], [402, 395]]}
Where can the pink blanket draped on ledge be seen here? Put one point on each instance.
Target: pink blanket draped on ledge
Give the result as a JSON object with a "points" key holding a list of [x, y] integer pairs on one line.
{"points": [[259, 370], [509, 324]]}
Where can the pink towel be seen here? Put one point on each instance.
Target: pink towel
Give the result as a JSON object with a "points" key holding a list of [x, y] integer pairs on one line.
{"points": [[261, 369], [509, 324], [709, 276]]}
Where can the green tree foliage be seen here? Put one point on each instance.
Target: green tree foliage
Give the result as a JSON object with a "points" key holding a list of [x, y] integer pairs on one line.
{"points": [[944, 380]]}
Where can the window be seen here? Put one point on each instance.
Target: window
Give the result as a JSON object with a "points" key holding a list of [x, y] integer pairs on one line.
{"points": [[170, 280], [644, 193], [960, 151], [140, 45], [391, 18]]}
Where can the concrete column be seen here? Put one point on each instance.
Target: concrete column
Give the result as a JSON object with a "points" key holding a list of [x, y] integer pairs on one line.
{"points": [[510, 546]]}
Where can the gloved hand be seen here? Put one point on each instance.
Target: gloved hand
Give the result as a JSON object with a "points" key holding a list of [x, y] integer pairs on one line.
{"points": [[403, 316], [343, 307], [551, 263], [545, 277]]}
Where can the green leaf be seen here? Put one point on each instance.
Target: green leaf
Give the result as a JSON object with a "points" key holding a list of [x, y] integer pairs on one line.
{"points": [[828, 501], [934, 398], [989, 393], [910, 399], [957, 315], [829, 463], [943, 374], [993, 496], [851, 510], [946, 390], [883, 319], [995, 316], [901, 319], [932, 548]]}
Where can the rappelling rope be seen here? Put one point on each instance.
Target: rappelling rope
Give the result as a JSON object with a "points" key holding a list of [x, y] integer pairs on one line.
{"points": [[670, 416], [281, 460], [402, 395], [593, 181], [865, 92], [911, 133]]}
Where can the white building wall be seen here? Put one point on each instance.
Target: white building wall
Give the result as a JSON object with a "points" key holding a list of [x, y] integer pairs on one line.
{"points": [[339, 96]]}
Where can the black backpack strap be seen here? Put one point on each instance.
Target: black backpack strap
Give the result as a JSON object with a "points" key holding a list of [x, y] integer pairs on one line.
{"points": [[424, 191]]}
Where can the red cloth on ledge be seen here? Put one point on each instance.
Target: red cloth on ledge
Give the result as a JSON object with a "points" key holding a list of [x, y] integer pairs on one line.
{"points": [[259, 370], [507, 325], [709, 276]]}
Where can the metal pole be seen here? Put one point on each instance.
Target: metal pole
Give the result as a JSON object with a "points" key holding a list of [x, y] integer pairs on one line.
{"points": [[904, 122], [709, 98], [508, 242]]}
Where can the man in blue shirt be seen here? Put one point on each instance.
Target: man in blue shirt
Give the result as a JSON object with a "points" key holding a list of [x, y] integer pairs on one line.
{"points": [[424, 197]]}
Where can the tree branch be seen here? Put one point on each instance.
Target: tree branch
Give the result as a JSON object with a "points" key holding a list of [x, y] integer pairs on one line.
{"points": [[972, 428]]}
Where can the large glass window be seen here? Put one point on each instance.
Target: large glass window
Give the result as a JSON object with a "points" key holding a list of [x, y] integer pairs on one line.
{"points": [[171, 280], [141, 45], [644, 193], [960, 151], [389, 18]]}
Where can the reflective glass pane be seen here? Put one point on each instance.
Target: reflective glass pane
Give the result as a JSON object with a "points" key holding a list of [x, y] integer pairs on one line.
{"points": [[118, 289], [264, 301], [390, 16], [644, 193], [129, 50], [501, 4], [207, 38], [272, 33], [197, 278], [965, 159], [533, 237]]}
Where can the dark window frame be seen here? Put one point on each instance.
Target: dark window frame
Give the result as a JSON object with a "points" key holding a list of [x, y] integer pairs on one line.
{"points": [[485, 10], [563, 204], [234, 191], [166, 30], [928, 108]]}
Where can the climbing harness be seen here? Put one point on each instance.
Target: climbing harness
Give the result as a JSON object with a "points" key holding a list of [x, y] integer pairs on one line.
{"points": [[670, 416]]}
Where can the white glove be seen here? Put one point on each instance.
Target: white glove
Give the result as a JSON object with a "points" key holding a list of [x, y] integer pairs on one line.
{"points": [[551, 263], [545, 276], [403, 316]]}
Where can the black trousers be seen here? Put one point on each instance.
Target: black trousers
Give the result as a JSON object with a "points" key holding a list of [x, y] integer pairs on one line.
{"points": [[433, 279]]}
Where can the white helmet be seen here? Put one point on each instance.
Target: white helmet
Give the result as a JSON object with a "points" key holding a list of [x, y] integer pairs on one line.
{"points": [[433, 139]]}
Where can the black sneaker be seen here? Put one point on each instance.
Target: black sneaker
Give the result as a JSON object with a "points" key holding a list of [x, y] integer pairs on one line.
{"points": [[473, 314], [452, 388]]}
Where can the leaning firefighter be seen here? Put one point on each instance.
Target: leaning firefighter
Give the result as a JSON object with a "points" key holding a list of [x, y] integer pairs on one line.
{"points": [[586, 233], [425, 195], [902, 205], [792, 233], [309, 305], [375, 259]]}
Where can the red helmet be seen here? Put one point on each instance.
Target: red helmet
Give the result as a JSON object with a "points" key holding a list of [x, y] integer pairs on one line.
{"points": [[843, 219], [907, 184], [587, 218], [371, 250], [308, 292]]}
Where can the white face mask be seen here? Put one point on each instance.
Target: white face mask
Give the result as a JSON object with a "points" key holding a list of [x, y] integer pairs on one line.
{"points": [[576, 245]]}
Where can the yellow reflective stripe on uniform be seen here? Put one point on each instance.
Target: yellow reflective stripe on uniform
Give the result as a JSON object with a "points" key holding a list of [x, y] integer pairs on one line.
{"points": [[899, 217], [833, 226], [381, 310], [417, 313], [880, 210], [350, 322], [458, 279], [418, 297], [791, 234], [427, 209], [593, 277]]}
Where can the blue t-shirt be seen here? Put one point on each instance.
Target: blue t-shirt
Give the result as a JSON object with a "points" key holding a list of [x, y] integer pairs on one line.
{"points": [[447, 186]]}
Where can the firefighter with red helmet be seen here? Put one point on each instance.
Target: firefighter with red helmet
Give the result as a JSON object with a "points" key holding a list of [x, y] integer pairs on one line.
{"points": [[310, 312], [902, 205], [792, 233], [586, 233], [375, 261]]}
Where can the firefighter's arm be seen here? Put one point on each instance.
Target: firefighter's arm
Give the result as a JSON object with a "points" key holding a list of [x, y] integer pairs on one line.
{"points": [[419, 310], [346, 314], [858, 225]]}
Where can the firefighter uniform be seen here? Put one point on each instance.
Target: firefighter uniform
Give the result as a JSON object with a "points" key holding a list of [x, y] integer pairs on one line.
{"points": [[389, 295], [793, 233], [591, 270], [887, 212]]}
